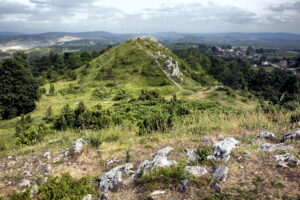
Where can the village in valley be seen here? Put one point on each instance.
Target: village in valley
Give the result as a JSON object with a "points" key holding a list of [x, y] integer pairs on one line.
{"points": [[261, 57]]}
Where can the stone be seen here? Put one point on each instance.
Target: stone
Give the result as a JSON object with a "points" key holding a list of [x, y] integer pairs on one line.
{"points": [[103, 196], [216, 187], [44, 180], [24, 183], [274, 147], [111, 179], [223, 149], [87, 197], [34, 191], [47, 155], [160, 160], [158, 192], [112, 161], [196, 170], [182, 186], [206, 139], [266, 135], [220, 173], [192, 155], [78, 146], [27, 173], [46, 169], [292, 136], [285, 160]]}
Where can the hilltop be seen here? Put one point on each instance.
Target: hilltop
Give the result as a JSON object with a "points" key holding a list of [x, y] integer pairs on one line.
{"points": [[135, 123]]}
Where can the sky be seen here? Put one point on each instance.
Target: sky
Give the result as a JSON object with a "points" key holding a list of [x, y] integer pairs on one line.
{"points": [[141, 16]]}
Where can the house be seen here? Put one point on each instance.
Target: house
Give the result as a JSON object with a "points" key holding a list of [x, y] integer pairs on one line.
{"points": [[283, 63], [264, 63]]}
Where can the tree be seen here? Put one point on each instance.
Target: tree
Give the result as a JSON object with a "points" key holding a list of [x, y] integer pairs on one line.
{"points": [[52, 90], [18, 87]]}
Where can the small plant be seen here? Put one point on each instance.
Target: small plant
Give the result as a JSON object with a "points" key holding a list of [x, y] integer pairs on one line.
{"points": [[65, 187], [32, 135], [49, 112], [203, 152], [21, 196], [166, 176], [95, 141], [127, 156], [121, 94]]}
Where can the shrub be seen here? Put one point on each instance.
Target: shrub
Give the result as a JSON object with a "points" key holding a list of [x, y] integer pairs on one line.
{"points": [[21, 196], [156, 122], [65, 187], [203, 152], [121, 94], [168, 177], [148, 95], [85, 119], [100, 93], [95, 141], [32, 135]]}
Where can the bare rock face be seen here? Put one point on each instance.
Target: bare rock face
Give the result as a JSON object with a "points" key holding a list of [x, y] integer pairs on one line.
{"points": [[220, 173], [274, 147], [223, 149], [192, 155], [172, 66], [196, 170], [285, 160], [111, 180], [266, 135], [160, 160]]}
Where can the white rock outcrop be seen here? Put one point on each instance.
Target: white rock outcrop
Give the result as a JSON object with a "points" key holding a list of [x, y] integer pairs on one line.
{"points": [[196, 170], [220, 173], [223, 149], [160, 160], [285, 160], [266, 135], [274, 147], [111, 179]]}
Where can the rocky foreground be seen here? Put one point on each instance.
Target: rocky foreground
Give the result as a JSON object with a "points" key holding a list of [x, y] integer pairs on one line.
{"points": [[233, 162]]}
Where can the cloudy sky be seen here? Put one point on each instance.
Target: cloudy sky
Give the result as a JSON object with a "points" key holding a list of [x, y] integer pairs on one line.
{"points": [[141, 16]]}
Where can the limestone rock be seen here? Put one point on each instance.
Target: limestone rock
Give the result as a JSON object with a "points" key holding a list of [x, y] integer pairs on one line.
{"points": [[192, 155], [266, 135], [220, 173], [47, 155], [160, 160], [111, 180], [78, 145], [216, 187], [24, 183], [274, 147], [292, 136], [285, 160], [183, 186], [158, 192], [196, 170], [34, 191], [223, 149], [103, 196], [87, 197]]}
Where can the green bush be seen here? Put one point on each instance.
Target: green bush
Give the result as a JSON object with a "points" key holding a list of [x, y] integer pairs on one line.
{"points": [[203, 152], [168, 177], [101, 93], [83, 118], [121, 94], [65, 187], [156, 122], [32, 135], [21, 196]]}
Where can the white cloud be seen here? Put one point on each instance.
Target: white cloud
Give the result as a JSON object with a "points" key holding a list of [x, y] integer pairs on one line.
{"points": [[150, 16]]}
